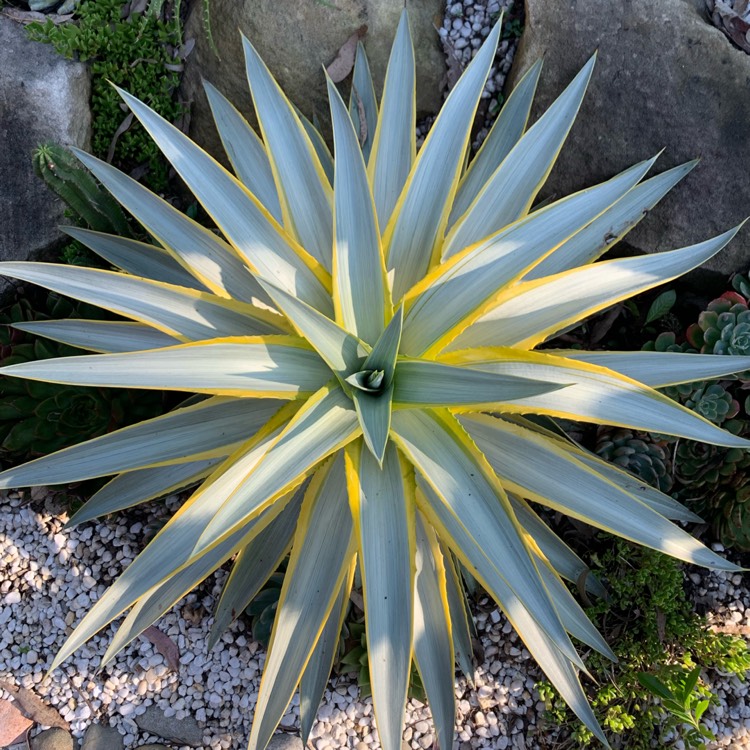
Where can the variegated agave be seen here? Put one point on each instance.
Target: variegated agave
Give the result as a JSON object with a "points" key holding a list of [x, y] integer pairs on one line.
{"points": [[364, 330]]}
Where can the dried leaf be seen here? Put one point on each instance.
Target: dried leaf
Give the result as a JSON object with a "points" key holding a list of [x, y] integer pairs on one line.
{"points": [[164, 645], [13, 724], [33, 707], [453, 62], [32, 16], [361, 116], [344, 62], [124, 125]]}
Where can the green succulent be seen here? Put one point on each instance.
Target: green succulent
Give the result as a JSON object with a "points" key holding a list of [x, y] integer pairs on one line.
{"points": [[713, 401], [368, 413], [724, 327], [667, 342], [741, 284], [730, 512], [640, 453]]}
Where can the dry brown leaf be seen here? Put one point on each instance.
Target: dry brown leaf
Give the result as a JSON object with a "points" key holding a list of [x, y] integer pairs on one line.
{"points": [[344, 62], [13, 724], [33, 16], [164, 645], [33, 707]]}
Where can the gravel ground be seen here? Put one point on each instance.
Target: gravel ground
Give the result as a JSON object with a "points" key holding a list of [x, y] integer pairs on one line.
{"points": [[49, 579]]}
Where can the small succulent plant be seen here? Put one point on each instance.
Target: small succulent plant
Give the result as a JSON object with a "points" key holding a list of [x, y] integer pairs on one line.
{"points": [[638, 452], [724, 327]]}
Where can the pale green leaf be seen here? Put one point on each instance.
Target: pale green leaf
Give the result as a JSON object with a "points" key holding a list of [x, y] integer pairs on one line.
{"points": [[659, 369], [505, 133], [315, 677], [251, 230], [609, 228], [458, 291], [535, 468], [104, 336], [325, 423], [433, 641], [321, 555], [508, 194], [191, 433], [270, 366], [359, 286], [414, 234], [134, 487], [471, 495], [425, 383], [174, 310], [200, 251], [383, 515], [301, 183], [536, 310], [318, 143], [363, 106], [458, 608], [245, 151], [394, 146], [141, 259], [374, 413], [254, 565], [385, 352]]}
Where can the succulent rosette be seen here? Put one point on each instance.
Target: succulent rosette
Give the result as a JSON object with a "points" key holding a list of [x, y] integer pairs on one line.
{"points": [[363, 332]]}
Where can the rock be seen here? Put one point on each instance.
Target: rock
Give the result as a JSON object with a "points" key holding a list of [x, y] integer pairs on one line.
{"points": [[182, 731], [296, 40], [285, 742], [43, 97], [100, 737], [664, 78], [13, 724], [52, 739]]}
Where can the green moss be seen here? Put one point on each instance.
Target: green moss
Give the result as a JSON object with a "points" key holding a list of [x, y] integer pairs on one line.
{"points": [[136, 54], [650, 625]]}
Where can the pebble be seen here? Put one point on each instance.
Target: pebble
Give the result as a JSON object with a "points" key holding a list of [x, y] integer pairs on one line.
{"points": [[100, 737], [52, 739]]}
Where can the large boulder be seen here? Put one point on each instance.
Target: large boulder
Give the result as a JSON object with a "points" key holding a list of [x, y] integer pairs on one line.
{"points": [[43, 97], [296, 40], [664, 78]]}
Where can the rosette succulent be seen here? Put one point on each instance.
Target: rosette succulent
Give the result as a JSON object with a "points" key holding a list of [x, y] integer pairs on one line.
{"points": [[724, 327], [364, 331], [640, 453]]}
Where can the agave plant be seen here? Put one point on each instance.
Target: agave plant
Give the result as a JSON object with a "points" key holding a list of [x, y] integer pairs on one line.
{"points": [[364, 331]]}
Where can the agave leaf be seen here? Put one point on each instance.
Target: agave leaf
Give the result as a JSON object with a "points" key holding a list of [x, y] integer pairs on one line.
{"points": [[561, 557], [324, 424], [261, 367], [630, 483], [659, 369], [573, 618], [414, 234], [394, 147], [360, 292], [558, 667], [254, 565], [191, 433], [458, 291], [135, 487], [148, 261], [535, 310], [315, 677], [163, 597], [458, 610], [302, 185], [171, 550], [594, 395], [342, 351], [251, 230], [99, 335], [363, 106], [318, 143], [433, 640], [383, 513], [537, 469], [505, 133], [509, 192], [470, 492], [177, 311], [245, 151], [609, 228], [424, 383], [374, 414], [208, 258], [322, 553]]}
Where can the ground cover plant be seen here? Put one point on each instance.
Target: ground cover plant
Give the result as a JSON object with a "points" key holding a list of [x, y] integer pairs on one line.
{"points": [[359, 346]]}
